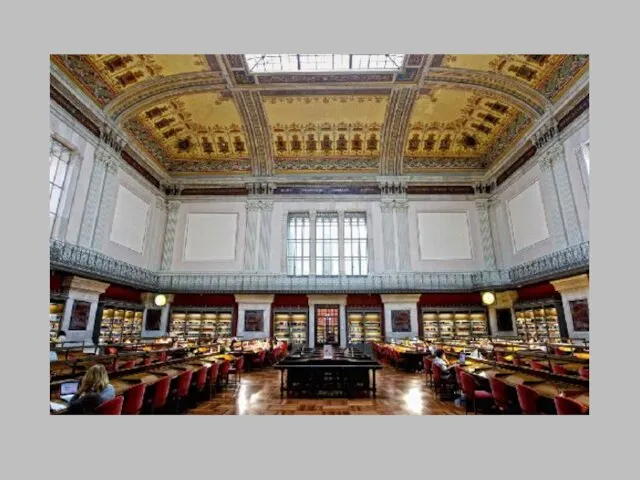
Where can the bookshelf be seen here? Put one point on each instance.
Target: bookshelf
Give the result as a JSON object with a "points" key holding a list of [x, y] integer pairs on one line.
{"points": [[540, 321], [56, 314], [120, 323], [291, 325], [188, 325], [454, 322], [364, 325]]}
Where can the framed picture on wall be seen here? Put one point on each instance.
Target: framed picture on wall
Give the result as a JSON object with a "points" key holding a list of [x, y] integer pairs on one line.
{"points": [[580, 314], [400, 321], [152, 320], [79, 315], [253, 320]]}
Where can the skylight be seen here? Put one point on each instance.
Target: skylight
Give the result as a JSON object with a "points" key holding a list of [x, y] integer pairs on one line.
{"points": [[331, 62]]}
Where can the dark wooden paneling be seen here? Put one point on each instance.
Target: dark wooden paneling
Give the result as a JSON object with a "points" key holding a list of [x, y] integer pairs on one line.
{"points": [[291, 300]]}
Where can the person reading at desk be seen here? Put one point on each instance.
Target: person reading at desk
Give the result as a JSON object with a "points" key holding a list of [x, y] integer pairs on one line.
{"points": [[448, 374], [94, 390]]}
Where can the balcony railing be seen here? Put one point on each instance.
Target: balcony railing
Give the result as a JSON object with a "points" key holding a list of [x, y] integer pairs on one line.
{"points": [[81, 260]]}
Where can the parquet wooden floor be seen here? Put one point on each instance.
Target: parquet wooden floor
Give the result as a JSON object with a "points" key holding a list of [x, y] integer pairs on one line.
{"points": [[398, 393]]}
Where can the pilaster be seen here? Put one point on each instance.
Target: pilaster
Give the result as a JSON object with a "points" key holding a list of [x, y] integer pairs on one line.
{"points": [[388, 234], [173, 207], [107, 200], [92, 203], [482, 208], [402, 234], [565, 194], [551, 200], [253, 212], [266, 210]]}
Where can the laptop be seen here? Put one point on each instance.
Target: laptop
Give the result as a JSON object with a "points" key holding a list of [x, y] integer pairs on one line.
{"points": [[68, 390]]}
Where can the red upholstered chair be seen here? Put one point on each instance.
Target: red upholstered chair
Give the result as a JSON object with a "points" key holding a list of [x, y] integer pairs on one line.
{"points": [[426, 366], [200, 379], [443, 389], [163, 357], [499, 392], [147, 360], [133, 398], [213, 378], [500, 357], [110, 351], [472, 395], [558, 351], [111, 407], [182, 388], [538, 366], [528, 399], [516, 360], [584, 372], [258, 360], [237, 369], [161, 394], [223, 373], [559, 370], [567, 406]]}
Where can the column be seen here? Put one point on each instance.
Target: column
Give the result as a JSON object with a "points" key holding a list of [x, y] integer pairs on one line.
{"points": [[92, 203], [266, 209], [261, 303], [312, 243], [551, 201], [80, 289], [493, 205], [403, 303], [565, 194], [253, 210], [343, 325], [108, 198], [482, 208], [575, 289], [388, 234], [173, 208], [402, 234]]}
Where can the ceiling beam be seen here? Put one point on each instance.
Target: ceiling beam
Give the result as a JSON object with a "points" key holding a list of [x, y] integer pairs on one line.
{"points": [[254, 118], [394, 129]]}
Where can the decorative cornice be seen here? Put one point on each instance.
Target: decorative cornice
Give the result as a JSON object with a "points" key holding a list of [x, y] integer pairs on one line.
{"points": [[572, 283], [80, 260], [84, 285]]}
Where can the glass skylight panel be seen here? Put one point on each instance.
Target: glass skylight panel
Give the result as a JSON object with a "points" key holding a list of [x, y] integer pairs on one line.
{"points": [[329, 62]]}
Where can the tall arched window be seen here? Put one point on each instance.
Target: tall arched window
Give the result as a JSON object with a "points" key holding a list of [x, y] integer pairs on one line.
{"points": [[59, 156]]}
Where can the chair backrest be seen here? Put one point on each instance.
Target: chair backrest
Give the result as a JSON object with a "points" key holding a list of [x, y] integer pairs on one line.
{"points": [[133, 398], [499, 392], [584, 372], [163, 357], [162, 387], [111, 407], [559, 369], [184, 381], [458, 369], [213, 372], [201, 377], [129, 364], [516, 360], [567, 406], [468, 385], [537, 365], [528, 399], [224, 369], [261, 355], [426, 363], [240, 364], [437, 373], [499, 357], [147, 360], [110, 350]]}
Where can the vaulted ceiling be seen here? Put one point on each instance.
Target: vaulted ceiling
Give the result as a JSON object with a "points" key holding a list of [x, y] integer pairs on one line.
{"points": [[209, 115]]}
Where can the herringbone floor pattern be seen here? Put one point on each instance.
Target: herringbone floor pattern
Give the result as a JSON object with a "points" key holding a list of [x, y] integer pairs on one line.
{"points": [[398, 393]]}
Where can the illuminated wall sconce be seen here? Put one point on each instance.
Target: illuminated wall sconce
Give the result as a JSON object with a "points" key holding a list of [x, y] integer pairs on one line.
{"points": [[488, 298]]}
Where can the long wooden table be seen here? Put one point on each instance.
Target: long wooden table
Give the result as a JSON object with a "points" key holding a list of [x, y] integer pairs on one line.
{"points": [[544, 387]]}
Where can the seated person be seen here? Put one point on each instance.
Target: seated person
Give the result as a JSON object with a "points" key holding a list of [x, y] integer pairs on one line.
{"points": [[94, 390], [448, 374], [53, 356]]}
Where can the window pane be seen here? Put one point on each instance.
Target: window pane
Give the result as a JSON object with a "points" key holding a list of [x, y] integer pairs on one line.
{"points": [[62, 170], [54, 200], [53, 164]]}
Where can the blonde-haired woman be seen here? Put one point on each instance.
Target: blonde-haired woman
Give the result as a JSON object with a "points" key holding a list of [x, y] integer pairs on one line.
{"points": [[94, 390]]}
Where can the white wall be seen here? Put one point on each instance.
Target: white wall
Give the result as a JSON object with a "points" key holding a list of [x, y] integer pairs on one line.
{"points": [[451, 232], [220, 248], [138, 205]]}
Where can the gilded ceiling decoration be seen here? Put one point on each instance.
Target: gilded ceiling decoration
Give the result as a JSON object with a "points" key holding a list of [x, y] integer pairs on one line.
{"points": [[453, 123], [339, 126], [208, 114]]}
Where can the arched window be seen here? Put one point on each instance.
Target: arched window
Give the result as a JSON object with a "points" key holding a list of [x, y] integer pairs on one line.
{"points": [[59, 156]]}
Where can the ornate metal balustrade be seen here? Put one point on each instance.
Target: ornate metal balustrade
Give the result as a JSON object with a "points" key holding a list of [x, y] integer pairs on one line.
{"points": [[80, 260]]}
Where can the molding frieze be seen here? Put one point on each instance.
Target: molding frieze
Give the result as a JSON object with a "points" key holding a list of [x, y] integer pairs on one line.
{"points": [[79, 260], [173, 207]]}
